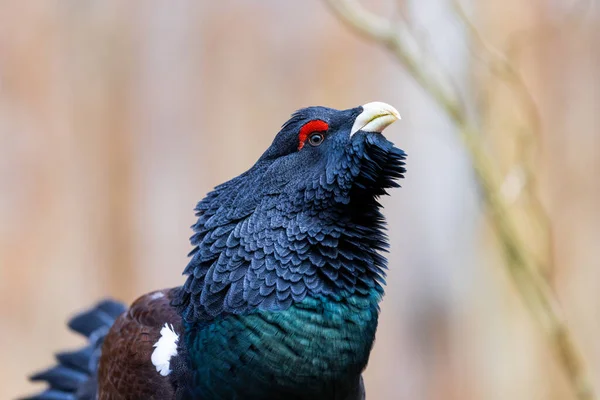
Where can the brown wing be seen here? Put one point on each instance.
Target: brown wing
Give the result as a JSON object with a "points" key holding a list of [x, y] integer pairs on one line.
{"points": [[125, 370]]}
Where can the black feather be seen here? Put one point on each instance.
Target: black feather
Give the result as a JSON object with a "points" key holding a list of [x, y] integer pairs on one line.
{"points": [[74, 378], [62, 378]]}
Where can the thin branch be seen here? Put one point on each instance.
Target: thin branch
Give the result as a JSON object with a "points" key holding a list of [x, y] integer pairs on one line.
{"points": [[532, 285], [503, 68]]}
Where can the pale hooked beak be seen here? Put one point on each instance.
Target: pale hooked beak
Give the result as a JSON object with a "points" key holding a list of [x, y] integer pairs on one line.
{"points": [[376, 116]]}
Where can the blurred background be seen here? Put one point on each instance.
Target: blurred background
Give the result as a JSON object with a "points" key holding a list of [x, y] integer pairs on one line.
{"points": [[117, 117]]}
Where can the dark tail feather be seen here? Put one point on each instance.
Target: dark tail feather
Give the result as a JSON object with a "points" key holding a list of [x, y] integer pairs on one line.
{"points": [[74, 378]]}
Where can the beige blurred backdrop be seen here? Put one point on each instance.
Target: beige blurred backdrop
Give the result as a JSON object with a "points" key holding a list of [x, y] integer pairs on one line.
{"points": [[116, 117]]}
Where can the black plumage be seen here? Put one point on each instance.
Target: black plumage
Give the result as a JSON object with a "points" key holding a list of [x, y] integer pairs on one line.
{"points": [[282, 291]]}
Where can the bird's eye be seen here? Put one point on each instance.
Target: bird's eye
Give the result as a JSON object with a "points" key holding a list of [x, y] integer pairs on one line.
{"points": [[316, 139], [312, 132]]}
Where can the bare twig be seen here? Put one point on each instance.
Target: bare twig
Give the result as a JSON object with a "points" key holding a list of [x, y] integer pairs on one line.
{"points": [[528, 139], [525, 271]]}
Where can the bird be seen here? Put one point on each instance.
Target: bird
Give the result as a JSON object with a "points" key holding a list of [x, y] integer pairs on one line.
{"points": [[280, 297]]}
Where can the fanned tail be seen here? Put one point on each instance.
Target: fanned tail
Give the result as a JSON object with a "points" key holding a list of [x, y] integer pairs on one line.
{"points": [[74, 378]]}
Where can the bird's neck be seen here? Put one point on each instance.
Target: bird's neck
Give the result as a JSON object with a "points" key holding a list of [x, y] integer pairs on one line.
{"points": [[281, 253]]}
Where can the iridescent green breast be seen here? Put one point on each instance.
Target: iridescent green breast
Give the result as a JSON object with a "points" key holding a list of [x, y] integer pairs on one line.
{"points": [[315, 349]]}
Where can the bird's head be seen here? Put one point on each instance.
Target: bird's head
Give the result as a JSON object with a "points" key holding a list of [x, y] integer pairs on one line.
{"points": [[327, 130], [283, 229], [323, 153]]}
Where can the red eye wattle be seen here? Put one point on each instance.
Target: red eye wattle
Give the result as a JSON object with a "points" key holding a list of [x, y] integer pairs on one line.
{"points": [[313, 126]]}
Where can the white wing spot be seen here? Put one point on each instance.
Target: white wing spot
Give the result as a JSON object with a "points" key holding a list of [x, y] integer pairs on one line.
{"points": [[156, 295], [165, 348]]}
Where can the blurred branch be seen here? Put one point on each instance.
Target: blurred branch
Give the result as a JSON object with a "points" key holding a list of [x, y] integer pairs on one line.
{"points": [[528, 140], [526, 273]]}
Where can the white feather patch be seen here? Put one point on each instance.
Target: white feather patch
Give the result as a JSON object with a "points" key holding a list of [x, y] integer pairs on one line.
{"points": [[165, 348], [156, 295]]}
